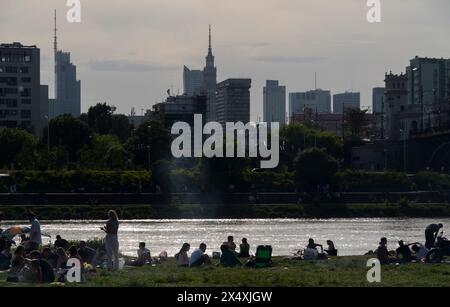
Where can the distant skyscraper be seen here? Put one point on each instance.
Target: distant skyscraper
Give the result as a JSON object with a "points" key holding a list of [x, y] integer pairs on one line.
{"points": [[23, 100], [233, 101], [345, 101], [317, 100], [192, 81], [210, 82], [274, 102], [427, 81], [378, 100], [67, 87]]}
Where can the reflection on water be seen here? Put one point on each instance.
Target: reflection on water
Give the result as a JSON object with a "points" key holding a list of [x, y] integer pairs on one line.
{"points": [[351, 236]]}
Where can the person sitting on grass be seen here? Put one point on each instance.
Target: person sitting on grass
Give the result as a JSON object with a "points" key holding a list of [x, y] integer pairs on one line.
{"points": [[50, 257], [48, 276], [228, 257], [61, 263], [182, 256], [31, 272], [6, 256], [86, 253], [383, 253], [60, 242], [244, 249], [144, 256], [404, 253], [313, 245], [199, 258], [231, 244], [331, 249], [73, 254], [17, 263], [420, 250]]}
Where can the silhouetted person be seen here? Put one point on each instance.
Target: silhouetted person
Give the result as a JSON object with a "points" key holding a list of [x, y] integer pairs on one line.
{"points": [[331, 249], [60, 242], [244, 249], [431, 233], [404, 252]]}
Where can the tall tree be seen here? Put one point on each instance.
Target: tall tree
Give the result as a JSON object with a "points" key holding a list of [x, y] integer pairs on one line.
{"points": [[18, 148], [69, 132], [314, 168]]}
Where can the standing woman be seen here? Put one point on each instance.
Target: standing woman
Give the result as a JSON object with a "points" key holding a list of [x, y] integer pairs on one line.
{"points": [[112, 241]]}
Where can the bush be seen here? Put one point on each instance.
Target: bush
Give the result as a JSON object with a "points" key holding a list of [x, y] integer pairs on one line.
{"points": [[359, 181], [432, 181], [82, 181]]}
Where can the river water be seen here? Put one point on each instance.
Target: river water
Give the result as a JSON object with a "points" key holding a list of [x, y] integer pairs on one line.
{"points": [[351, 236]]}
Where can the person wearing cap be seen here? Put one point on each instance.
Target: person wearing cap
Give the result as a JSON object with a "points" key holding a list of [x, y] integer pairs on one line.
{"points": [[35, 230], [431, 233]]}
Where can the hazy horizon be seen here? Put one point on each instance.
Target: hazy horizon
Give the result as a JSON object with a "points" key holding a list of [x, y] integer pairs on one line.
{"points": [[129, 54]]}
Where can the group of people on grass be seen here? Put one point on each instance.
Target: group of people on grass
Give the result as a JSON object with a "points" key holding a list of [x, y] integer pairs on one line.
{"points": [[229, 256], [31, 262], [409, 252]]}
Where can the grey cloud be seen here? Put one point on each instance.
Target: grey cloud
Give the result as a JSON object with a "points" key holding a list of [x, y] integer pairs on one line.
{"points": [[124, 65]]}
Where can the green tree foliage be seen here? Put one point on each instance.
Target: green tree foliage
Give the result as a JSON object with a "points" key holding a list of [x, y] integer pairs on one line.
{"points": [[149, 135], [18, 149], [102, 120], [314, 168], [355, 123], [296, 137], [70, 133], [105, 153]]}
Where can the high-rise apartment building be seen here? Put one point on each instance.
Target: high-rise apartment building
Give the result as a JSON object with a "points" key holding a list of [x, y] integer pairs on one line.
{"points": [[317, 100], [346, 100], [23, 101], [233, 101], [192, 81], [274, 102]]}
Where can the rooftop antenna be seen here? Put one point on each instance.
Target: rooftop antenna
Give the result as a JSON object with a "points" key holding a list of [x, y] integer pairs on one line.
{"points": [[315, 81]]}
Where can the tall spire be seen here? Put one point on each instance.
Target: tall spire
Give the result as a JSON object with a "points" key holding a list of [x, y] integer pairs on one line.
{"points": [[55, 55], [210, 44], [55, 42]]}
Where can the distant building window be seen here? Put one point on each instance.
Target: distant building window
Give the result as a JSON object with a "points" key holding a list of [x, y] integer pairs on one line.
{"points": [[26, 92], [8, 123], [24, 70], [12, 91], [26, 80], [26, 124], [25, 114], [27, 59], [26, 101], [11, 69], [1, 69]]}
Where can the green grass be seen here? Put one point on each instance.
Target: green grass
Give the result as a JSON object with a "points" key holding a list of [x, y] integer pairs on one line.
{"points": [[342, 272]]}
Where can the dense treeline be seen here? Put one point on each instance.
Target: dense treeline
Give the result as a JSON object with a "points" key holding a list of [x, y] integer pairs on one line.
{"points": [[101, 152]]}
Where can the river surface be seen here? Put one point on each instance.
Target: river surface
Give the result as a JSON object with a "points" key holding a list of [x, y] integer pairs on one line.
{"points": [[351, 236]]}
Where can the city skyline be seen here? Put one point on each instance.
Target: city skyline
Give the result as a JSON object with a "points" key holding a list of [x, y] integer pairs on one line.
{"points": [[118, 66]]}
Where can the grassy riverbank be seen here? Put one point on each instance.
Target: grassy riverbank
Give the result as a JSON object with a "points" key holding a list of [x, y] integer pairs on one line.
{"points": [[231, 211], [344, 271]]}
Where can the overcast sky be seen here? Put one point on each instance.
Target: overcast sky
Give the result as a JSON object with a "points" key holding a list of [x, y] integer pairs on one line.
{"points": [[130, 52]]}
